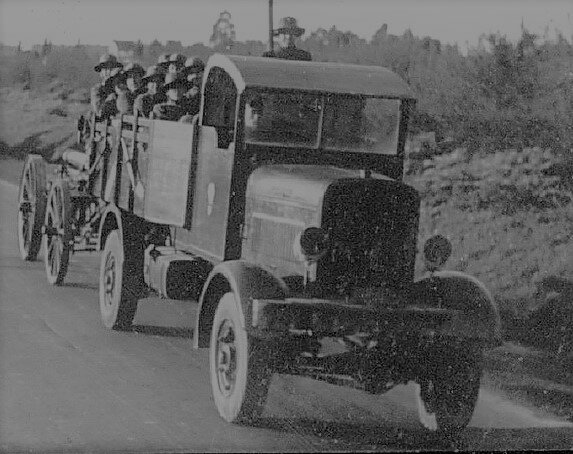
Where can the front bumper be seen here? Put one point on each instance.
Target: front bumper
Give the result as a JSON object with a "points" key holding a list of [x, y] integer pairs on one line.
{"points": [[331, 318]]}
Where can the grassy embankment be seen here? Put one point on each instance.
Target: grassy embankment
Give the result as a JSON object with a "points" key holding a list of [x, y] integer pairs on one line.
{"points": [[509, 216]]}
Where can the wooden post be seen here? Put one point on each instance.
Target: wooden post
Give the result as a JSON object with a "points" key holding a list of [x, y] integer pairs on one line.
{"points": [[271, 33]]}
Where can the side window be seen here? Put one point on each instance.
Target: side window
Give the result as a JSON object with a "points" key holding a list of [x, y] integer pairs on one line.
{"points": [[220, 105]]}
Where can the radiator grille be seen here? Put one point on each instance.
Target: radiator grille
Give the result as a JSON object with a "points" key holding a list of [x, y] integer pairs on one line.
{"points": [[373, 227]]}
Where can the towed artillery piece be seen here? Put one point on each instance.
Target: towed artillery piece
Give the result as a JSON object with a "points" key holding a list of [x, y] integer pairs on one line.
{"points": [[280, 212], [58, 204]]}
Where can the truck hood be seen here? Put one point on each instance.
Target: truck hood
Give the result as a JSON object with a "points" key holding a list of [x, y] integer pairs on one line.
{"points": [[303, 185]]}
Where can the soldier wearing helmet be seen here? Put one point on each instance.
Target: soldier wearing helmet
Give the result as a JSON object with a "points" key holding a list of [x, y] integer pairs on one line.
{"points": [[191, 99], [134, 87], [143, 104], [99, 93], [287, 32], [175, 85]]}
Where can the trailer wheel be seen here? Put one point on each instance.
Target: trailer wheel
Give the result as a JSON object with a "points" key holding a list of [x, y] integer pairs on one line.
{"points": [[448, 394], [117, 298], [240, 377], [59, 237], [31, 207]]}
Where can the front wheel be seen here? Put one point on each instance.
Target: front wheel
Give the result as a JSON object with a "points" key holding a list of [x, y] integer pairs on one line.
{"points": [[117, 295], [447, 393], [240, 376]]}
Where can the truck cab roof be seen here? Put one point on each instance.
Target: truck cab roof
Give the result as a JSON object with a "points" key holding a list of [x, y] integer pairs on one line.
{"points": [[260, 72]]}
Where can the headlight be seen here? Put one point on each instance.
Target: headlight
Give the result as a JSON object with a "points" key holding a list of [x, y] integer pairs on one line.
{"points": [[437, 251], [311, 244]]}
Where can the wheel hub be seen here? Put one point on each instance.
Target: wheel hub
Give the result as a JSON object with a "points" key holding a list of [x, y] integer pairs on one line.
{"points": [[226, 358], [109, 279]]}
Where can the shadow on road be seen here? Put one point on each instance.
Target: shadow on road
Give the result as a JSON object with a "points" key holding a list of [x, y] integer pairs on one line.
{"points": [[371, 436], [358, 436], [186, 333], [81, 285]]}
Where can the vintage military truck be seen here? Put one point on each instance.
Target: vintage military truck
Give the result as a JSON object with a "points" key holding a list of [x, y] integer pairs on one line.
{"points": [[280, 210]]}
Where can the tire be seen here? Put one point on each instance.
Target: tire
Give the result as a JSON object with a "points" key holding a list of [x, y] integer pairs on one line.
{"points": [[240, 377], [58, 233], [448, 393], [31, 207], [117, 296]]}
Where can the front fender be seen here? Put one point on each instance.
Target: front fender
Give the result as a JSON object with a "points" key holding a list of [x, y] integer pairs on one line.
{"points": [[479, 318], [111, 219], [247, 281]]}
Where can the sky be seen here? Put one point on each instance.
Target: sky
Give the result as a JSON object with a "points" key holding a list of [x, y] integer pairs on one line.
{"points": [[191, 21]]}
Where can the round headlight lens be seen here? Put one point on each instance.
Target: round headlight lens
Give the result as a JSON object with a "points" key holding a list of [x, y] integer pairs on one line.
{"points": [[312, 243], [437, 251]]}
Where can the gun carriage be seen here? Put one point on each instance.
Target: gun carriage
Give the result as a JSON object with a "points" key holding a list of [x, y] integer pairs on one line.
{"points": [[280, 212]]}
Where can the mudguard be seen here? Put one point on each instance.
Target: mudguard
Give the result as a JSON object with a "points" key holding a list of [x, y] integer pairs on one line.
{"points": [[111, 219], [479, 318], [247, 281]]}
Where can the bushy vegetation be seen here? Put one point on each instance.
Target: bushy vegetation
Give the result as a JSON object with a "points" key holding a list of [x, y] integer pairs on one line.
{"points": [[509, 216], [500, 95]]}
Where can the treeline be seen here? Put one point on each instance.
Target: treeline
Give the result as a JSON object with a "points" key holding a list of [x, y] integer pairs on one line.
{"points": [[502, 94]]}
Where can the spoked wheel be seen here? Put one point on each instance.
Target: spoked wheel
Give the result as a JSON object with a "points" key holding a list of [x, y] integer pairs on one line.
{"points": [[240, 377], [31, 207], [448, 394], [119, 289], [58, 232]]}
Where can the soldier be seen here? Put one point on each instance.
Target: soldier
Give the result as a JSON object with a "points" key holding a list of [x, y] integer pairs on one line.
{"points": [[135, 87], [143, 104], [116, 84], [287, 32], [175, 86], [163, 62], [190, 101], [176, 63], [100, 92]]}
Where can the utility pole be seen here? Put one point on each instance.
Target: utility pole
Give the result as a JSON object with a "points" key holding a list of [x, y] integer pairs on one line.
{"points": [[271, 32]]}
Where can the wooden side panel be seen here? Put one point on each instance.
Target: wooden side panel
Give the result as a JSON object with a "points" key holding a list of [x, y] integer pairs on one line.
{"points": [[207, 234], [169, 173]]}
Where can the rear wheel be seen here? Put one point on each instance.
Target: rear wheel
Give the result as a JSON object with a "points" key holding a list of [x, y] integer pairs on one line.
{"points": [[31, 207], [448, 393], [240, 376], [118, 293], [58, 232]]}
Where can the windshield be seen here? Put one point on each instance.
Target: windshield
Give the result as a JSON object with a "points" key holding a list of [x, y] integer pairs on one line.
{"points": [[282, 118], [361, 124], [349, 123]]}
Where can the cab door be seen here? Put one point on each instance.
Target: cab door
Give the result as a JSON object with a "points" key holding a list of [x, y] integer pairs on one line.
{"points": [[206, 234]]}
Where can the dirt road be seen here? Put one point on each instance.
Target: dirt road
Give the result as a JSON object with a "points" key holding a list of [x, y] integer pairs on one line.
{"points": [[68, 384]]}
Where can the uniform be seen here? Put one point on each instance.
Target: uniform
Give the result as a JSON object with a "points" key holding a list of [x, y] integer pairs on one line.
{"points": [[126, 95], [101, 91], [190, 103], [191, 100], [289, 28], [167, 111], [143, 104], [126, 100], [172, 109]]}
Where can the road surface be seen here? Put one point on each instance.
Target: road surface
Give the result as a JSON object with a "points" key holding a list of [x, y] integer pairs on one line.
{"points": [[69, 384]]}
